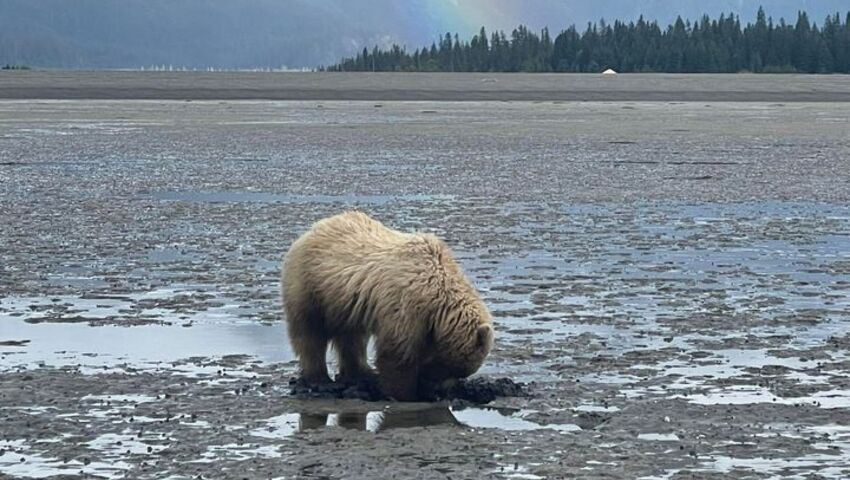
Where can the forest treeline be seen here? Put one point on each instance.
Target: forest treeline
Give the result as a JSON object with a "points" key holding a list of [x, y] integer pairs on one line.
{"points": [[705, 46]]}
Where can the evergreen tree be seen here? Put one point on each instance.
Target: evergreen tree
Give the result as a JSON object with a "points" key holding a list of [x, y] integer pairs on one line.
{"points": [[705, 45]]}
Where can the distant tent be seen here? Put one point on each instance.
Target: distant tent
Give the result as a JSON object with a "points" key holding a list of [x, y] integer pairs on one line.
{"points": [[609, 72]]}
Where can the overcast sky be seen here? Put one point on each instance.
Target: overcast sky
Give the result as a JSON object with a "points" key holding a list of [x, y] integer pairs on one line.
{"points": [[273, 33]]}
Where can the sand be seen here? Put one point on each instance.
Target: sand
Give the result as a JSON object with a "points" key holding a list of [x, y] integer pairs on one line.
{"points": [[422, 86]]}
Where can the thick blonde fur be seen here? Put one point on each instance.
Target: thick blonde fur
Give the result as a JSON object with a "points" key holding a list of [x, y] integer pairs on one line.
{"points": [[350, 277]]}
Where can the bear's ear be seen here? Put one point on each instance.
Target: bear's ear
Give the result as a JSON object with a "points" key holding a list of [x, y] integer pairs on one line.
{"points": [[484, 335]]}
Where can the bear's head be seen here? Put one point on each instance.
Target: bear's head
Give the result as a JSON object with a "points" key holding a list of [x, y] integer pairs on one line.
{"points": [[458, 344]]}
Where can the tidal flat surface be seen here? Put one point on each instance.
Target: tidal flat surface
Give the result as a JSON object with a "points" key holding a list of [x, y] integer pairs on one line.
{"points": [[135, 85], [672, 280]]}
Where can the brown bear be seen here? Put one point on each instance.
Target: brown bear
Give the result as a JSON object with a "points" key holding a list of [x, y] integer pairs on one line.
{"points": [[350, 277]]}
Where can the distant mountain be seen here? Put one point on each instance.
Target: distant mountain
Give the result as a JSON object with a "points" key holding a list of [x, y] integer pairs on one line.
{"points": [[298, 33]]}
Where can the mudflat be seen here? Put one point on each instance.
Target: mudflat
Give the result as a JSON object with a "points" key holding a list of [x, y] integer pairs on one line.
{"points": [[421, 86], [669, 280]]}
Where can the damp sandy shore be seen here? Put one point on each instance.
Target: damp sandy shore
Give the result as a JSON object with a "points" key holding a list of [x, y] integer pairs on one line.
{"points": [[671, 280], [422, 86]]}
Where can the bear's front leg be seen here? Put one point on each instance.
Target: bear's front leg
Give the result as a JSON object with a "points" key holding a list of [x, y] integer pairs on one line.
{"points": [[398, 380], [353, 363]]}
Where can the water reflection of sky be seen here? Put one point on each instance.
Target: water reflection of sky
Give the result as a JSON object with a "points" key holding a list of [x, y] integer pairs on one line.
{"points": [[62, 344]]}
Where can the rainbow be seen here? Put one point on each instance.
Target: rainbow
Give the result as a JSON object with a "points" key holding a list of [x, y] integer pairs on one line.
{"points": [[466, 17], [429, 20]]}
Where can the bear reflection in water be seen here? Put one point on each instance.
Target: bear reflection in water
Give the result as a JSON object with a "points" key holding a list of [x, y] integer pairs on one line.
{"points": [[379, 421], [376, 421]]}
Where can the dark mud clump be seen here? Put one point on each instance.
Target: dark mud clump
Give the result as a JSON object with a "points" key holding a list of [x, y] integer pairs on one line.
{"points": [[363, 390], [478, 390], [481, 390]]}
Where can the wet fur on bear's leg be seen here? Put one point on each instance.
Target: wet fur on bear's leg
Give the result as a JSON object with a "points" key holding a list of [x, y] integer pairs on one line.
{"points": [[351, 353], [307, 335], [311, 347]]}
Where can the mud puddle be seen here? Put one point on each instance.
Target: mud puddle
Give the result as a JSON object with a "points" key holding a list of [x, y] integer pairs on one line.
{"points": [[94, 349], [20, 461], [390, 418]]}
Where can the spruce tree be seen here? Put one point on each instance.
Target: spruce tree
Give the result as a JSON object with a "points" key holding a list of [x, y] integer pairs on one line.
{"points": [[705, 45]]}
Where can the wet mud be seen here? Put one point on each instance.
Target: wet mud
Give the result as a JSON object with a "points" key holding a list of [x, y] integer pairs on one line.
{"points": [[384, 86], [478, 390], [669, 285], [362, 390]]}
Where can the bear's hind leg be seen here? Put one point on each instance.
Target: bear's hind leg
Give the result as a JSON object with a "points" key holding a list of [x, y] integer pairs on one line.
{"points": [[310, 343], [305, 324], [351, 352], [311, 348]]}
